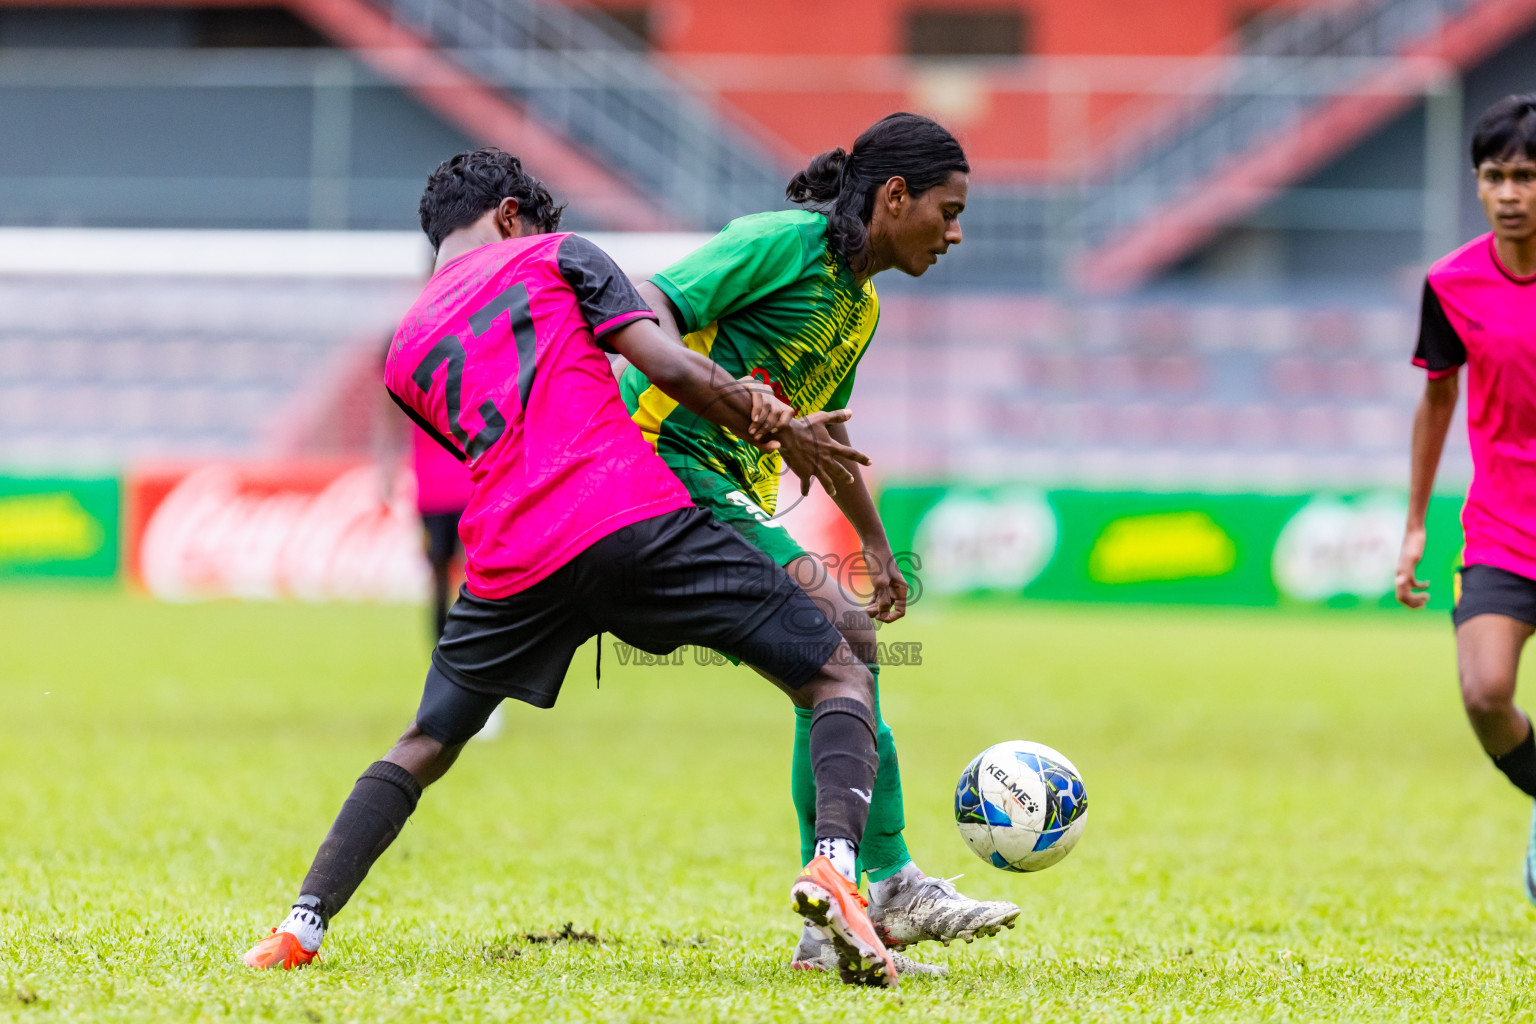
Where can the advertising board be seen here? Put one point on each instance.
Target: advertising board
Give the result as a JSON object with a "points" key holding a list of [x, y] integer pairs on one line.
{"points": [[59, 527], [315, 531], [1331, 549]]}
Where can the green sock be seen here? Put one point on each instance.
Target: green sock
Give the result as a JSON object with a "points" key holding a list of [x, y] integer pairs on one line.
{"points": [[802, 785], [883, 851]]}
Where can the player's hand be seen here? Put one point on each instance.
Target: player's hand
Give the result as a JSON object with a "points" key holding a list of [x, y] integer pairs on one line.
{"points": [[810, 452], [889, 600], [1411, 591], [769, 414]]}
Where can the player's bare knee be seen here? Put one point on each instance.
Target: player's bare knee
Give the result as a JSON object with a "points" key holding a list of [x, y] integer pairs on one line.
{"points": [[426, 758], [864, 682], [805, 697], [859, 630], [1486, 696], [843, 676]]}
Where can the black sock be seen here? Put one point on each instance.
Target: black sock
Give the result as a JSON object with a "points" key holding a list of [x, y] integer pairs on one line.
{"points": [[1519, 765], [384, 797], [843, 760]]}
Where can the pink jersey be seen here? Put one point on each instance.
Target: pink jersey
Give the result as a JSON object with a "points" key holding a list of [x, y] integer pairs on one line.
{"points": [[442, 481], [498, 360], [1476, 313]]}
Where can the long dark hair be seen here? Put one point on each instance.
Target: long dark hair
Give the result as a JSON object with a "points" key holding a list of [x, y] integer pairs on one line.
{"points": [[843, 185]]}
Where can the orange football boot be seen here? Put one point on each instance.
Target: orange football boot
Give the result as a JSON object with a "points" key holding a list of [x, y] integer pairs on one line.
{"points": [[280, 949], [829, 901]]}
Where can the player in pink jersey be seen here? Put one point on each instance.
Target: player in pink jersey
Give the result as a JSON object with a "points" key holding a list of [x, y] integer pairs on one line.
{"points": [[1480, 312], [442, 493], [575, 527]]}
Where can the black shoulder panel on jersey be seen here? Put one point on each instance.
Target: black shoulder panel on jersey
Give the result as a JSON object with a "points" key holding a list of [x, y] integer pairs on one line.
{"points": [[1440, 348], [602, 290]]}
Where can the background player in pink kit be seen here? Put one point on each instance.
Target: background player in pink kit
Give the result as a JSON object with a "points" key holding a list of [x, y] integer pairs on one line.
{"points": [[442, 494], [576, 527], [1480, 312]]}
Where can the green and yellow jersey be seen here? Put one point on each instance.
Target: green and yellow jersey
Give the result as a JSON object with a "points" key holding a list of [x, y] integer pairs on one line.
{"points": [[766, 297]]}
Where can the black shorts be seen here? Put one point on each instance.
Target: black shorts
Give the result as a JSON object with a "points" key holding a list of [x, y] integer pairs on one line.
{"points": [[1482, 589], [442, 529], [679, 578]]}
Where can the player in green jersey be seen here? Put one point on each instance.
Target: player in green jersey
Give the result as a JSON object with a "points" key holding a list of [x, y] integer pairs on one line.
{"points": [[787, 298]]}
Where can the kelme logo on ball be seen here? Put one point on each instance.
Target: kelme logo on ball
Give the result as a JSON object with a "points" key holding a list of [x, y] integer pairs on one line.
{"points": [[1020, 806]]}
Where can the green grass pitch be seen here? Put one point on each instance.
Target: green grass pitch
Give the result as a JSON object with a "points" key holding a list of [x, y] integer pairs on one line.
{"points": [[1289, 820]]}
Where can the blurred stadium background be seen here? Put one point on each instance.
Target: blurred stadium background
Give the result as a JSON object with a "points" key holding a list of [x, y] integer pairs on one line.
{"points": [[1169, 362]]}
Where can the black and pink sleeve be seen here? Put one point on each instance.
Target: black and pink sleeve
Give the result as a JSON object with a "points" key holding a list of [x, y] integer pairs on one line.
{"points": [[607, 299], [1440, 349]]}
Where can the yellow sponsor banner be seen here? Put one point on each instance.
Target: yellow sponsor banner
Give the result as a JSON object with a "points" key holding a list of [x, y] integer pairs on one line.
{"points": [[47, 528], [1161, 546], [52, 526]]}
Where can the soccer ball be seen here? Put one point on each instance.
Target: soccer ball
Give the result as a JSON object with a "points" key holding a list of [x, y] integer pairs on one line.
{"points": [[1020, 806]]}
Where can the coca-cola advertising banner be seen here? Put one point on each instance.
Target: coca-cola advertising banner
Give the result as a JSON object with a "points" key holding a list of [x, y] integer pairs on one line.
{"points": [[313, 531], [1334, 549], [319, 531]]}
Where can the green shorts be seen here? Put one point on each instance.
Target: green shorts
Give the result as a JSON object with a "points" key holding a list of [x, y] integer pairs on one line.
{"points": [[730, 504]]}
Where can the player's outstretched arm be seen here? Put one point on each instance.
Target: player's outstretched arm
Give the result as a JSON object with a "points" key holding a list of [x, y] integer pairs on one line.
{"points": [[1431, 421], [700, 385]]}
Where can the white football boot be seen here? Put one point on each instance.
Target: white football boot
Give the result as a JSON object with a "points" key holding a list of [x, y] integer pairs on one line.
{"points": [[815, 952], [913, 907]]}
